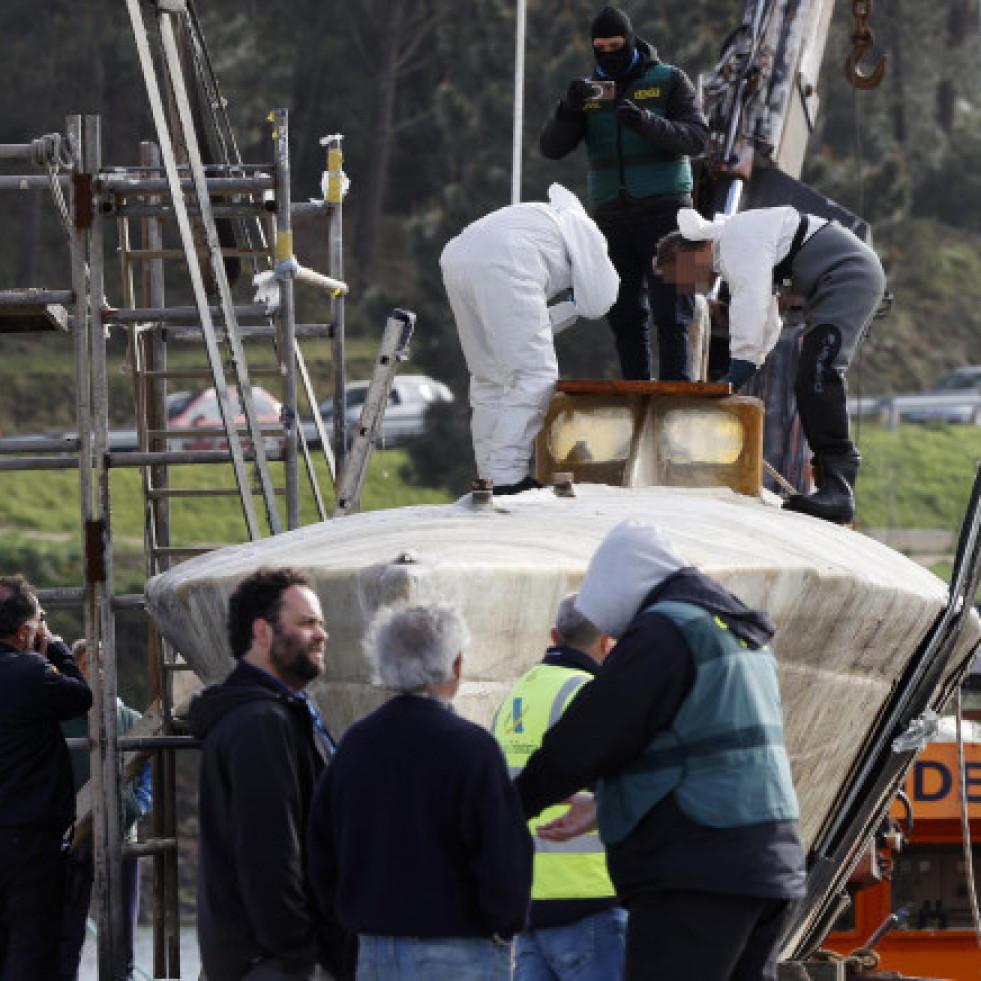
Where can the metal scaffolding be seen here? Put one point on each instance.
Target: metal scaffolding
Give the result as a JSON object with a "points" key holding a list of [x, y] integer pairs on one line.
{"points": [[129, 197], [233, 224], [227, 214]]}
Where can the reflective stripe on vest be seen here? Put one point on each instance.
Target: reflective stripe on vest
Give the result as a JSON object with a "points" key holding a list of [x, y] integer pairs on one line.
{"points": [[574, 869], [724, 756], [617, 155]]}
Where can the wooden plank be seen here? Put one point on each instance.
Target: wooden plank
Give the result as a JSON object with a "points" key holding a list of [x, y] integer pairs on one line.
{"points": [[152, 723], [591, 386], [31, 318]]}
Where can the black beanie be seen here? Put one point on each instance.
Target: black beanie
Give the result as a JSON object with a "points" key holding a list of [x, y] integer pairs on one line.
{"points": [[611, 22]]}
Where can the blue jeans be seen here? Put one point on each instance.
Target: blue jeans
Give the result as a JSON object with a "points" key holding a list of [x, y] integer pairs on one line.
{"points": [[432, 959], [590, 949]]}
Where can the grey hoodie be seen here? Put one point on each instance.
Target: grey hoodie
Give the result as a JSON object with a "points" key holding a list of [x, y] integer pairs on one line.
{"points": [[632, 560]]}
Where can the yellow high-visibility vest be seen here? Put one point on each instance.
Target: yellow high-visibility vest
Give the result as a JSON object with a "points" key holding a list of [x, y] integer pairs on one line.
{"points": [[574, 869]]}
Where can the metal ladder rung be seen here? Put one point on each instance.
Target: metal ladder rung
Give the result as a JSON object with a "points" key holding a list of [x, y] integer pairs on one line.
{"points": [[139, 255], [153, 458], [241, 428], [272, 372], [151, 846], [174, 551], [157, 317], [192, 492]]}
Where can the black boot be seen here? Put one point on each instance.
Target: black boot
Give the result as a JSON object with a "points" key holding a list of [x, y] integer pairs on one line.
{"points": [[834, 500], [526, 483]]}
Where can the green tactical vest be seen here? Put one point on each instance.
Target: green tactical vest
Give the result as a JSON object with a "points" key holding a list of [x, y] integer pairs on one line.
{"points": [[574, 869], [618, 157], [724, 756]]}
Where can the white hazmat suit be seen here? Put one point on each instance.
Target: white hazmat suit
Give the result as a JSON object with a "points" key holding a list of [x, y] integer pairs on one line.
{"points": [[500, 273]]}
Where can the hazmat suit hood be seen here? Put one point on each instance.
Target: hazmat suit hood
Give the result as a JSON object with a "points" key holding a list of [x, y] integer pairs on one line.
{"points": [[633, 559], [595, 282], [695, 228]]}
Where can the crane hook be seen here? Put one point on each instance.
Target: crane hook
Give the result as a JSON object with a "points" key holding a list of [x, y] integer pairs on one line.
{"points": [[863, 40], [854, 72]]}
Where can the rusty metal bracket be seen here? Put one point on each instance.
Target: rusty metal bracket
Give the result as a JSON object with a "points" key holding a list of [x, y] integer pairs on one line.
{"points": [[95, 551], [83, 201]]}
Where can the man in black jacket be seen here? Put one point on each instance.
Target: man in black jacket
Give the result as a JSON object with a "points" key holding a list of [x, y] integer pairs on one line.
{"points": [[682, 731], [264, 747], [640, 121], [39, 686]]}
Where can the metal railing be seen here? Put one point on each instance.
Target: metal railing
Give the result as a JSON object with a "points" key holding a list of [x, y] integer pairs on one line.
{"points": [[895, 409]]}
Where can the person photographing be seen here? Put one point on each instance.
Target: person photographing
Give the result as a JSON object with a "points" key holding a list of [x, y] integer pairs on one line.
{"points": [[39, 686]]}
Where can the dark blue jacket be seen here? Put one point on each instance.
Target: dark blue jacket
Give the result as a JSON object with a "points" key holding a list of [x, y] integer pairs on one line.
{"points": [[416, 829], [36, 693]]}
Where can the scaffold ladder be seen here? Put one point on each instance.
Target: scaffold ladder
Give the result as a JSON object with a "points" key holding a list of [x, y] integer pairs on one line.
{"points": [[169, 11]]}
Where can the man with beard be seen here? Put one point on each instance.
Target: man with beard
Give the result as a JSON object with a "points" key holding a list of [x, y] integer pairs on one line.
{"points": [[264, 746], [640, 121]]}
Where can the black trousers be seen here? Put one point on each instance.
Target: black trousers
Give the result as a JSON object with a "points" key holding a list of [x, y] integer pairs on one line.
{"points": [[679, 934], [822, 402], [31, 894], [642, 294]]}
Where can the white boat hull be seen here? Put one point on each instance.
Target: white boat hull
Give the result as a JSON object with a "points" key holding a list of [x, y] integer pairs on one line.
{"points": [[849, 611]]}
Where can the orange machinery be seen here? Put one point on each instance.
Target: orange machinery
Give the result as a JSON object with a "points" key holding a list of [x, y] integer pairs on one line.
{"points": [[927, 880]]}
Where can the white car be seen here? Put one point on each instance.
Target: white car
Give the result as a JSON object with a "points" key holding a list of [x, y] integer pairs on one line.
{"points": [[405, 412]]}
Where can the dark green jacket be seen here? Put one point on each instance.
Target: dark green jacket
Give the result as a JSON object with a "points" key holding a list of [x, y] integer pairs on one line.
{"points": [[634, 164], [628, 160], [723, 757]]}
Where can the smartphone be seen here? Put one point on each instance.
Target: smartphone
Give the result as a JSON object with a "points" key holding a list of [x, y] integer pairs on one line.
{"points": [[39, 636], [603, 91]]}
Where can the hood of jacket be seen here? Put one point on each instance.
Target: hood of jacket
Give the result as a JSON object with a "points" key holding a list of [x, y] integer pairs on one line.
{"points": [[647, 52], [243, 685], [688, 585], [636, 566], [633, 559]]}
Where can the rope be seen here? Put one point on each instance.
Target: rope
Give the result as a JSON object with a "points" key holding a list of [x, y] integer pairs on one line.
{"points": [[860, 173], [965, 824], [52, 150], [53, 153], [778, 477]]}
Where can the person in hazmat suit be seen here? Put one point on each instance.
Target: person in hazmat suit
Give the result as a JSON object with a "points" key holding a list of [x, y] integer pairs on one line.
{"points": [[500, 273]]}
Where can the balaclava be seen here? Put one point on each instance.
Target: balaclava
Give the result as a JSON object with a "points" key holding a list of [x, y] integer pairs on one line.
{"points": [[611, 22]]}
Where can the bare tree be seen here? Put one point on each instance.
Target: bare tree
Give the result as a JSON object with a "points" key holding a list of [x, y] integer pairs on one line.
{"points": [[395, 38]]}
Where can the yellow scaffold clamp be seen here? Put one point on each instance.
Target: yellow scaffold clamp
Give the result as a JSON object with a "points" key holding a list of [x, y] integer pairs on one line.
{"points": [[335, 183]]}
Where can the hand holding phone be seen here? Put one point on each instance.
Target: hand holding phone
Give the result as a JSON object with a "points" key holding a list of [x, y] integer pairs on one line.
{"points": [[42, 635], [603, 91]]}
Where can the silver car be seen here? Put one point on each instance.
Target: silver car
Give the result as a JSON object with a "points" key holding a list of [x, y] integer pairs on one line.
{"points": [[962, 381], [405, 411]]}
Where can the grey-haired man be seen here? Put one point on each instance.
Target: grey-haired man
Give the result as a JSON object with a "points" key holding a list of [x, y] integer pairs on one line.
{"points": [[417, 840]]}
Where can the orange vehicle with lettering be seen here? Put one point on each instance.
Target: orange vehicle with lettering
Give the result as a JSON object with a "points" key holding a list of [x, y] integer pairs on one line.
{"points": [[927, 883]]}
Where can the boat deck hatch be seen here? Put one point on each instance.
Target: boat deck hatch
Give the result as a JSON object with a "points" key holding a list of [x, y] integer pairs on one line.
{"points": [[642, 434]]}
